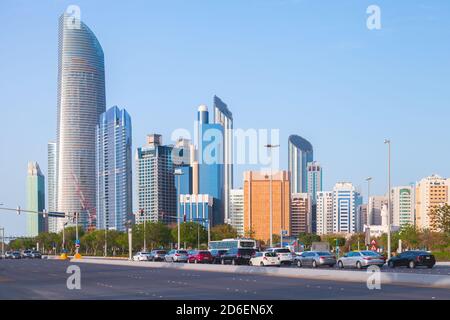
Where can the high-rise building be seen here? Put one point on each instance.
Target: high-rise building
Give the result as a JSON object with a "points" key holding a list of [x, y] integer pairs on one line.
{"points": [[114, 170], [324, 212], [300, 154], [345, 202], [237, 210], [431, 193], [313, 186], [257, 204], [52, 189], [156, 191], [81, 100], [35, 200], [300, 213], [211, 163], [224, 117], [361, 212], [403, 206], [197, 208], [375, 206]]}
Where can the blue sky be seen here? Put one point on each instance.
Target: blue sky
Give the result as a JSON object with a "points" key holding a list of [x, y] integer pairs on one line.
{"points": [[306, 67]]}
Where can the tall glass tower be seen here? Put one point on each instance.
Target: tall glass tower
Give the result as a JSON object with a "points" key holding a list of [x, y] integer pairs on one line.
{"points": [[35, 200], [81, 100], [114, 165], [52, 186], [224, 117], [300, 154]]}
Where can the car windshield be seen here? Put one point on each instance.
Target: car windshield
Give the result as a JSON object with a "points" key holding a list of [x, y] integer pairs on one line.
{"points": [[370, 254], [160, 252], [247, 251], [182, 252], [324, 253], [282, 251], [204, 252], [271, 254]]}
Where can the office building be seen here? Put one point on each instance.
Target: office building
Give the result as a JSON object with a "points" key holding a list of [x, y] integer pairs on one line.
{"points": [[324, 202], [362, 215], [257, 204], [313, 186], [345, 202], [300, 154], [197, 208], [300, 214], [403, 202], [114, 170], [81, 100], [237, 210], [52, 189], [35, 200], [375, 205]]}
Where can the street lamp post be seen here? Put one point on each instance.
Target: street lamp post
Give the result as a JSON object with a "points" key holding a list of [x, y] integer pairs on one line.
{"points": [[130, 240], [270, 147], [388, 142], [3, 241], [369, 213], [178, 173]]}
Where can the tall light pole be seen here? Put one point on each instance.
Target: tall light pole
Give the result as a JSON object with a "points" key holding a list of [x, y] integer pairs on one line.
{"points": [[3, 241], [270, 147], [178, 173], [388, 142], [142, 215], [369, 214], [130, 239]]}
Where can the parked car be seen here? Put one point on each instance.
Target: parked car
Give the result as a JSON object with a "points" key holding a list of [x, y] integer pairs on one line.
{"points": [[285, 255], [177, 256], [36, 255], [26, 254], [141, 256], [157, 255], [217, 255], [238, 256], [315, 259], [264, 259], [361, 259], [413, 259], [8, 255], [200, 257], [16, 255]]}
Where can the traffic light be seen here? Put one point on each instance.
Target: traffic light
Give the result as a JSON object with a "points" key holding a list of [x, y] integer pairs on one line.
{"points": [[18, 210]]}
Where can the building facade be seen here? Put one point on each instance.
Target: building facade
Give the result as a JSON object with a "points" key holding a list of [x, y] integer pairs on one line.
{"points": [[300, 154], [35, 200], [52, 189], [257, 204], [324, 205], [81, 100], [156, 191], [431, 193], [237, 210], [114, 170], [403, 210], [345, 202], [197, 208], [375, 206], [301, 207]]}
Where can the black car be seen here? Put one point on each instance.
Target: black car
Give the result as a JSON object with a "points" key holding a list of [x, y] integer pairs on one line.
{"points": [[36, 255], [238, 256], [217, 255], [413, 259]]}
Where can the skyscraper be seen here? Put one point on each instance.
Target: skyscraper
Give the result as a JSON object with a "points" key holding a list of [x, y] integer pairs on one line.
{"points": [[237, 210], [300, 154], [114, 165], [35, 200], [324, 212], [196, 208], [224, 117], [403, 206], [300, 213], [156, 191], [345, 202], [52, 188], [211, 167], [81, 100], [375, 206], [313, 186]]}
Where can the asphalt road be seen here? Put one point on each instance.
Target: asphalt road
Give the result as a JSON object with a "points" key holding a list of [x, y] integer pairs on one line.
{"points": [[46, 279]]}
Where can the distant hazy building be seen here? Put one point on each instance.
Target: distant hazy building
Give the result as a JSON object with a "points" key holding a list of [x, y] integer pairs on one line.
{"points": [[35, 200], [313, 186], [156, 191], [403, 202], [376, 203], [361, 212], [257, 204], [431, 193], [300, 213], [237, 210], [324, 212], [197, 208], [300, 154], [224, 117], [52, 189], [114, 170], [345, 202], [81, 100]]}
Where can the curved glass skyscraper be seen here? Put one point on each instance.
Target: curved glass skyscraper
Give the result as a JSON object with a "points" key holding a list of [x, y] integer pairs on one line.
{"points": [[300, 154], [81, 100]]}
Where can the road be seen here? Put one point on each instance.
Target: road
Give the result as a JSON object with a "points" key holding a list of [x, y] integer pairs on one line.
{"points": [[46, 279]]}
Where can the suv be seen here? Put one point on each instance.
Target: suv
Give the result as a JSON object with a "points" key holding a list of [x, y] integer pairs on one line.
{"points": [[176, 256], [285, 255], [36, 255], [200, 257], [238, 256], [217, 255], [413, 259], [157, 255], [27, 254]]}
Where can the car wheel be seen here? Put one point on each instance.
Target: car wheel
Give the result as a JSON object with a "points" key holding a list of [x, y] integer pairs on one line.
{"points": [[412, 265], [261, 264], [250, 263], [358, 265], [340, 265], [299, 264], [314, 264], [391, 264]]}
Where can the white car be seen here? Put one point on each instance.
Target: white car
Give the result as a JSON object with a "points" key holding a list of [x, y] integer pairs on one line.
{"points": [[141, 256], [265, 259], [285, 255]]}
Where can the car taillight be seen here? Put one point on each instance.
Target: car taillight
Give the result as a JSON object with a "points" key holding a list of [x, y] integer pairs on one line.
{"points": [[177, 255], [367, 258], [323, 258]]}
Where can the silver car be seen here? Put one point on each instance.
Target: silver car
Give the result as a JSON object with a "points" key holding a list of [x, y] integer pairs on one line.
{"points": [[315, 259], [361, 259], [177, 256]]}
